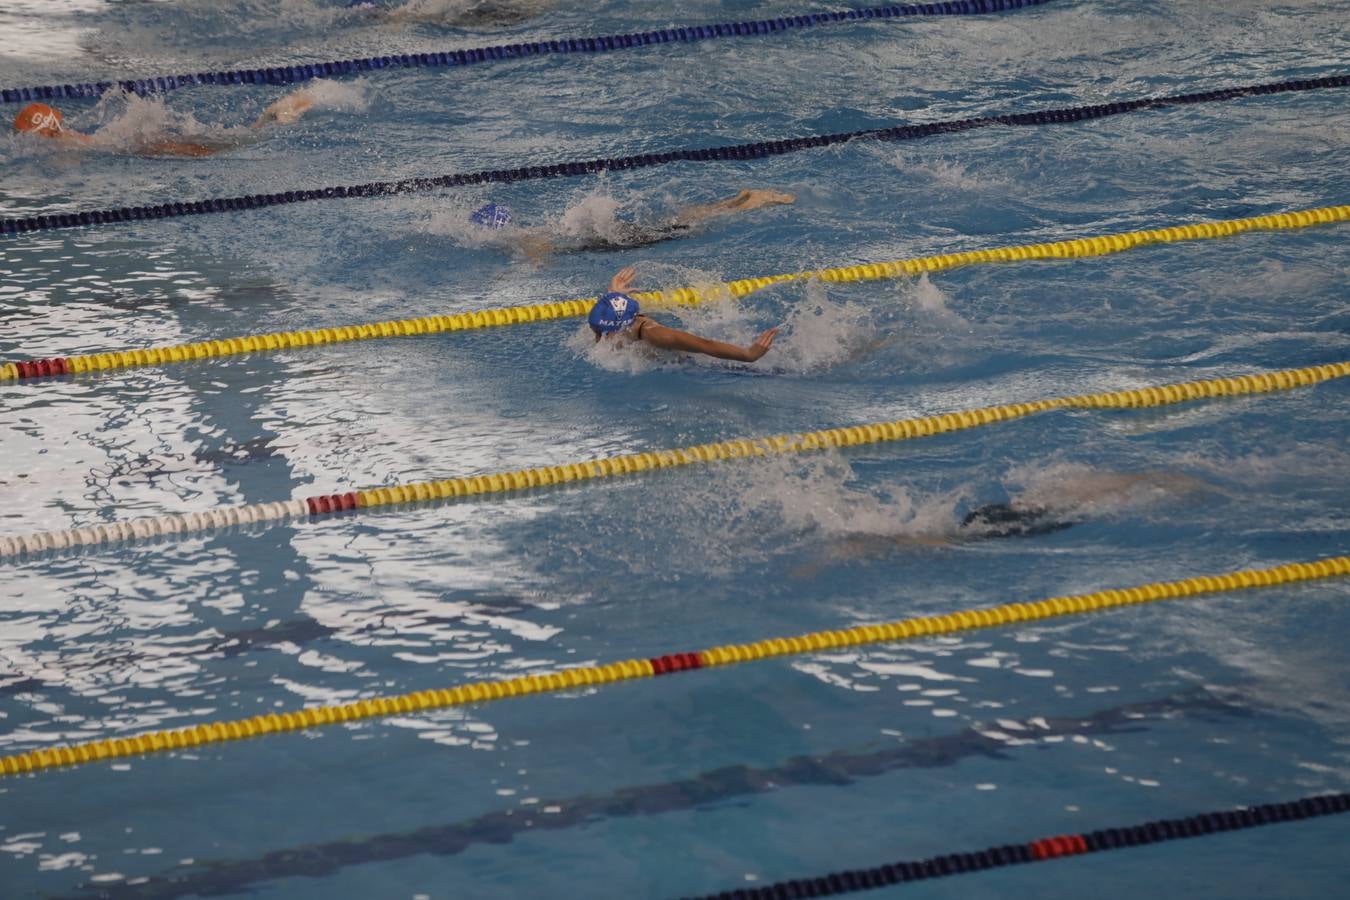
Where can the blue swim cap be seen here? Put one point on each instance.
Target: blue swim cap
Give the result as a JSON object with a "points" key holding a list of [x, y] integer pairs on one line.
{"points": [[613, 312], [493, 215]]}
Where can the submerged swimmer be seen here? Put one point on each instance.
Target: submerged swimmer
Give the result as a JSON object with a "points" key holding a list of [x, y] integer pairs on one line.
{"points": [[617, 316], [998, 520], [454, 12], [1071, 501], [46, 121], [622, 234]]}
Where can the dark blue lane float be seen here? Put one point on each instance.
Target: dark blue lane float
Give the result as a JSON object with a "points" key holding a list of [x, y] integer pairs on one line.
{"points": [[604, 44], [696, 794], [756, 150], [851, 880]]}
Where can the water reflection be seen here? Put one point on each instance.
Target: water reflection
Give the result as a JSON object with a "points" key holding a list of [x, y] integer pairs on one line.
{"points": [[704, 791]]}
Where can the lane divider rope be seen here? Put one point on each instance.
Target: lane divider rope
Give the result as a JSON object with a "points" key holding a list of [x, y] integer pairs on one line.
{"points": [[753, 150], [602, 44], [851, 880], [1077, 248], [585, 676], [614, 466], [698, 789]]}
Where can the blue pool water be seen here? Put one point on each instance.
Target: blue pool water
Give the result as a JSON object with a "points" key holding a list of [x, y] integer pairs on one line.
{"points": [[715, 779]]}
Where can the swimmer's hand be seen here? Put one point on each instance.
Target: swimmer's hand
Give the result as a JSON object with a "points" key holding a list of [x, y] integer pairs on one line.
{"points": [[761, 344], [623, 280]]}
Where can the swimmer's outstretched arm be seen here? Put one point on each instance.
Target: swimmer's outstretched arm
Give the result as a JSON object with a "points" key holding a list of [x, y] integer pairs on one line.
{"points": [[674, 339], [152, 147], [170, 147], [284, 111], [75, 137]]}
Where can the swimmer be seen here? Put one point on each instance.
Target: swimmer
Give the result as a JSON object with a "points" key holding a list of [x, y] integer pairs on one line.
{"points": [[454, 12], [1001, 520], [537, 243], [616, 316], [46, 121], [1060, 505], [992, 520]]}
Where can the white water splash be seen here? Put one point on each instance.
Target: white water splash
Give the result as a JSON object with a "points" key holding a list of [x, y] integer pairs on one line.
{"points": [[338, 96], [944, 174], [129, 121], [595, 215], [795, 505], [822, 494], [819, 331]]}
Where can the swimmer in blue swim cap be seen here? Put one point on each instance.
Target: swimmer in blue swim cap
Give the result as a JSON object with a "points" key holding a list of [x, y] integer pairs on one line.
{"points": [[491, 215], [617, 316]]}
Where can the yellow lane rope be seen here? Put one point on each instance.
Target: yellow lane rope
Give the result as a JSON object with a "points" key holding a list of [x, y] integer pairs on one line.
{"points": [[902, 429], [1100, 245], [501, 482], [586, 676]]}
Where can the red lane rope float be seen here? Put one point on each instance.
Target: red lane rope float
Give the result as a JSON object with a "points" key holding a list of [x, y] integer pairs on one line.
{"points": [[615, 466], [588, 676], [1154, 832]]}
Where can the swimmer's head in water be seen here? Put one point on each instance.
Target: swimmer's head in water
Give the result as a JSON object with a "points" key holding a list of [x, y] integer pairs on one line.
{"points": [[39, 118], [1006, 520], [612, 312], [492, 215]]}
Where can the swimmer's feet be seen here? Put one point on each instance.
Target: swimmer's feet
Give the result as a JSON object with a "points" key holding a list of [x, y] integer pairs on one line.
{"points": [[754, 199], [743, 200], [287, 110]]}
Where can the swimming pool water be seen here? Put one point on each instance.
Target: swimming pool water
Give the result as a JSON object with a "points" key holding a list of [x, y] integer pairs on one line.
{"points": [[730, 777]]}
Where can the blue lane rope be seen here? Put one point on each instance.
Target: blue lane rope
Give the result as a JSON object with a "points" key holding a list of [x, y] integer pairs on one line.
{"points": [[758, 150], [849, 881], [604, 44]]}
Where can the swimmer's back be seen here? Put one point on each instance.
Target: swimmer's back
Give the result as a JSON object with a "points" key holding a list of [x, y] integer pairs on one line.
{"points": [[626, 236], [1006, 520]]}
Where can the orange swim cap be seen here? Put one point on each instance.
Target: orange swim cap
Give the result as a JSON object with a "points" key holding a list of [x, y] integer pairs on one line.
{"points": [[39, 117]]}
